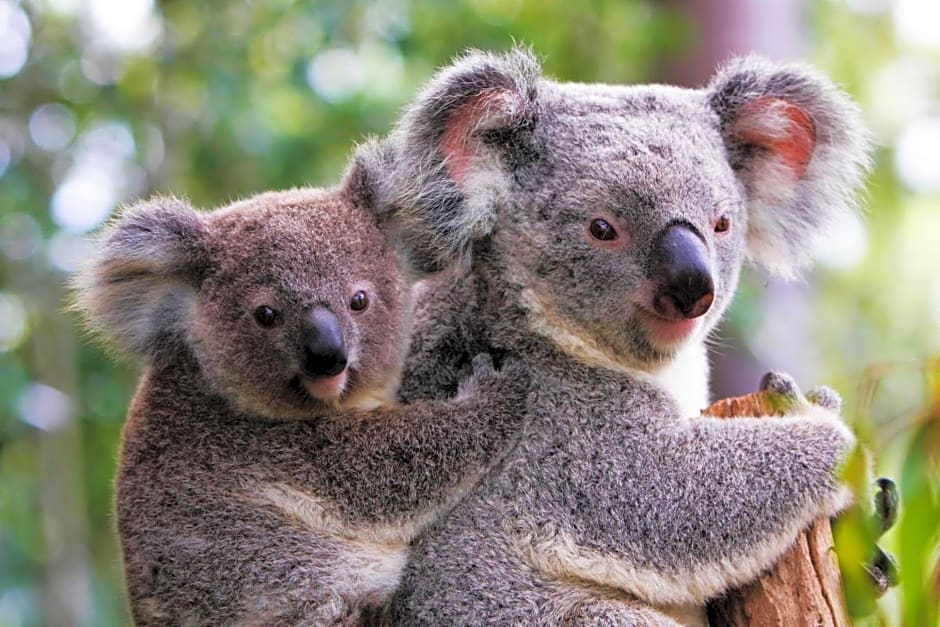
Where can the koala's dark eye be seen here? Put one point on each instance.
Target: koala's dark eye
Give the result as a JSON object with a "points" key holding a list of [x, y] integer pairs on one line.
{"points": [[602, 230], [723, 224], [360, 301], [265, 316]]}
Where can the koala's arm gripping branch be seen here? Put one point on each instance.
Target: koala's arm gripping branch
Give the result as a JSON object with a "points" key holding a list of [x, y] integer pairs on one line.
{"points": [[805, 586]]}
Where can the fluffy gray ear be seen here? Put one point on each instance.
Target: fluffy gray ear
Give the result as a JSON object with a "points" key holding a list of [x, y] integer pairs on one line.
{"points": [[800, 148], [369, 182], [451, 151], [138, 290]]}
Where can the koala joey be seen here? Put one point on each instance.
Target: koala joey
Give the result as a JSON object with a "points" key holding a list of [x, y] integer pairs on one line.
{"points": [[603, 229], [266, 475]]}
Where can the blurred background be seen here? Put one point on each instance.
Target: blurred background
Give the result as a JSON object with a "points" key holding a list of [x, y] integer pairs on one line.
{"points": [[103, 101]]}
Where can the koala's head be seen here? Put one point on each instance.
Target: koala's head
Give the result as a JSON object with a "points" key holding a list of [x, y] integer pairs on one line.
{"points": [[618, 217], [292, 303]]}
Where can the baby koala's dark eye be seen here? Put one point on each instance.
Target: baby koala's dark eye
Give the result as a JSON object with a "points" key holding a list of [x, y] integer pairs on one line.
{"points": [[723, 224], [360, 301], [602, 230], [265, 316]]}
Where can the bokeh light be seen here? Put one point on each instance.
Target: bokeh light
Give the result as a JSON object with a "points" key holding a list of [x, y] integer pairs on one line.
{"points": [[868, 7], [68, 251], [104, 173], [14, 321], [84, 199], [383, 69], [918, 154], [845, 245], [52, 126], [44, 407], [900, 90], [917, 22], [336, 74], [15, 35], [20, 236], [5, 157], [124, 25]]}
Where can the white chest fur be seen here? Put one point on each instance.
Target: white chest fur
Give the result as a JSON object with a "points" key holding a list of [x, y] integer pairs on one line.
{"points": [[686, 379]]}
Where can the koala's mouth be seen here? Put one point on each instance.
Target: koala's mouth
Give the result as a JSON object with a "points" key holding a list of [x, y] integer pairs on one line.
{"points": [[666, 333], [325, 389]]}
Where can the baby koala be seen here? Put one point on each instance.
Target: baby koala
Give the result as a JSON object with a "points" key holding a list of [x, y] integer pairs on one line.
{"points": [[266, 476]]}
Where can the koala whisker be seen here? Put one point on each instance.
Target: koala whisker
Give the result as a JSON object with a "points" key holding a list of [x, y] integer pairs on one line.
{"points": [[298, 389]]}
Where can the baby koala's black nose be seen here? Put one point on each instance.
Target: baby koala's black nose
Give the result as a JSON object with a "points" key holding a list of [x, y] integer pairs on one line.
{"points": [[682, 274], [323, 345]]}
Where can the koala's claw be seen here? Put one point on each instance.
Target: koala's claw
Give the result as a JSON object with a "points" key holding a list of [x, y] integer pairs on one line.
{"points": [[883, 571], [483, 365], [886, 501], [473, 375], [779, 383], [510, 381], [825, 397], [784, 394]]}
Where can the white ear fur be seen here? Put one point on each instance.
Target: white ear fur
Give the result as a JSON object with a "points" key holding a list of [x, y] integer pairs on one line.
{"points": [[138, 289], [448, 174], [799, 147]]}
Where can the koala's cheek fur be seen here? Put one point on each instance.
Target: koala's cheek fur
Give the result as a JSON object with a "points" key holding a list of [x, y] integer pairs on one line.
{"points": [[245, 364], [378, 361]]}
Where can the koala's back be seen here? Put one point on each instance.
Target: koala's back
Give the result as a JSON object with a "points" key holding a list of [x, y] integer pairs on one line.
{"points": [[203, 539]]}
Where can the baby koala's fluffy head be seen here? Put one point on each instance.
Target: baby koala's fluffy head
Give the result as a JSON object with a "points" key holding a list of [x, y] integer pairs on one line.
{"points": [[293, 303]]}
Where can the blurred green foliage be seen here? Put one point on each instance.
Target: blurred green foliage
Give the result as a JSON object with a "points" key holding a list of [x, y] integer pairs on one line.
{"points": [[215, 101]]}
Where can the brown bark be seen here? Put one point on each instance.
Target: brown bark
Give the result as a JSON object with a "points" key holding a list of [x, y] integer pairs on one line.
{"points": [[804, 588]]}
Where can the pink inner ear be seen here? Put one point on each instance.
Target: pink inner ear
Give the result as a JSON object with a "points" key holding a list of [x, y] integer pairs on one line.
{"points": [[457, 140], [781, 127]]}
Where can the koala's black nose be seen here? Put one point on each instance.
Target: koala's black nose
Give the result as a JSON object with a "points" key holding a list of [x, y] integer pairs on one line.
{"points": [[681, 273], [324, 348]]}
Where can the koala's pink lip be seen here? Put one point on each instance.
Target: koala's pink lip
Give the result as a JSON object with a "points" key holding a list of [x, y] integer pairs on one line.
{"points": [[666, 332], [325, 388]]}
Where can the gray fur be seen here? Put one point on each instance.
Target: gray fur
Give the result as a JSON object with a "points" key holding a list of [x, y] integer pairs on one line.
{"points": [[241, 498], [784, 237], [144, 277], [614, 493], [446, 222]]}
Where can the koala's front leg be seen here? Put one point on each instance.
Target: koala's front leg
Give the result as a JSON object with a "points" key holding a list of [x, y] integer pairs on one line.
{"points": [[599, 612], [741, 492], [397, 461], [441, 343], [881, 568]]}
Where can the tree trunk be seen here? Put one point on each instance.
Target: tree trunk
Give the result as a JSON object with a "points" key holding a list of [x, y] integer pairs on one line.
{"points": [[804, 588]]}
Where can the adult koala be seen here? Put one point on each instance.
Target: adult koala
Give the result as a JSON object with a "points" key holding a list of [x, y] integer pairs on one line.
{"points": [[605, 228]]}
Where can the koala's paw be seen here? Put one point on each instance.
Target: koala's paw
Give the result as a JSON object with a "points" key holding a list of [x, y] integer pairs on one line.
{"points": [[821, 404], [886, 501], [882, 568], [825, 397], [510, 383], [883, 571], [783, 392], [480, 371]]}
